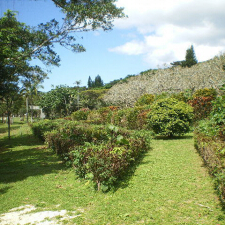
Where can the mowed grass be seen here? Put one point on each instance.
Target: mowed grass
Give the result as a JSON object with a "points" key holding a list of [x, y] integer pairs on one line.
{"points": [[169, 186]]}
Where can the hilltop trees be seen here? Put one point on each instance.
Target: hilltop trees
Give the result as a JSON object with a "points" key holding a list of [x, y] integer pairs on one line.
{"points": [[98, 82], [190, 59]]}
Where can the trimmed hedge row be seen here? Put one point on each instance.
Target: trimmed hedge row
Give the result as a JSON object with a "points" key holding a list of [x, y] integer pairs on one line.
{"points": [[101, 153], [212, 150], [210, 142], [167, 116]]}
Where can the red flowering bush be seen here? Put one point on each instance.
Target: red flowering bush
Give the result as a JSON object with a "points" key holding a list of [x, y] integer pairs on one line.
{"points": [[202, 107]]}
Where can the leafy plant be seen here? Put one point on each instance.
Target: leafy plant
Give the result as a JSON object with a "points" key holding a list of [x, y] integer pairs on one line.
{"points": [[81, 114], [145, 99], [202, 107], [170, 117]]}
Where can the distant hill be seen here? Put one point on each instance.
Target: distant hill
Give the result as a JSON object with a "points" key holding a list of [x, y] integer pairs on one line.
{"points": [[208, 74]]}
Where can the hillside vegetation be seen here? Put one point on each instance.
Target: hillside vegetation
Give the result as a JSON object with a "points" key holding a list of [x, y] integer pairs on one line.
{"points": [[209, 74]]}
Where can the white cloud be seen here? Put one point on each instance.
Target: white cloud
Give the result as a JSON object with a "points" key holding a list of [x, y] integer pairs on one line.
{"points": [[169, 27]]}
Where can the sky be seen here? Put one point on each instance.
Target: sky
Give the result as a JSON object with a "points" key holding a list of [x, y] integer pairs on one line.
{"points": [[156, 32]]}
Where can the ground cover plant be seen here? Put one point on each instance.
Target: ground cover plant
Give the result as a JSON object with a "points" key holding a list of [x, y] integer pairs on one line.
{"points": [[170, 186]]}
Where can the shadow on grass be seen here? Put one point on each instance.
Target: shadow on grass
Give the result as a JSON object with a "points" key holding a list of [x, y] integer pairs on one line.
{"points": [[5, 129], [187, 136], [4, 190], [20, 164], [19, 140], [23, 156]]}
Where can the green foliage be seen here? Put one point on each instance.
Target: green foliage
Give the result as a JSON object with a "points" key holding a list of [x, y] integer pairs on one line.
{"points": [[205, 92], [104, 163], [190, 58], [209, 140], [39, 128], [107, 114], [170, 117], [92, 99], [99, 153], [145, 99], [59, 102], [81, 114], [97, 83], [182, 96]]}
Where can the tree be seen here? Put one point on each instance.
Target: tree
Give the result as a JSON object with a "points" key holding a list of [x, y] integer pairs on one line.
{"points": [[98, 81], [18, 39], [59, 102], [80, 16], [90, 82], [190, 58]]}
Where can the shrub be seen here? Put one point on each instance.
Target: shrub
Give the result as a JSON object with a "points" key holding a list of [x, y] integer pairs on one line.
{"points": [[146, 99], [170, 117], [202, 107], [71, 133], [205, 92], [81, 114], [39, 128], [104, 163], [106, 113]]}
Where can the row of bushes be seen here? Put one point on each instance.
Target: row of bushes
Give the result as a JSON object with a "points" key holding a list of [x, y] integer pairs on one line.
{"points": [[97, 152], [210, 142], [165, 117]]}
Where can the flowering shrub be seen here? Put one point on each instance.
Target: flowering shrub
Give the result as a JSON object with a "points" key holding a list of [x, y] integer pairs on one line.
{"points": [[202, 107]]}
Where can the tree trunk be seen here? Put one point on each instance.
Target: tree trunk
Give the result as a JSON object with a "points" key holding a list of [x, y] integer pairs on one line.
{"points": [[27, 108], [8, 115]]}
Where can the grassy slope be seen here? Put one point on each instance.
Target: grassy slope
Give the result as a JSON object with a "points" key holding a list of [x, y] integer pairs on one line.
{"points": [[170, 186]]}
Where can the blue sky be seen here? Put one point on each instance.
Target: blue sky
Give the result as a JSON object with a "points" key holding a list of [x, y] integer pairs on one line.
{"points": [[97, 60], [156, 32]]}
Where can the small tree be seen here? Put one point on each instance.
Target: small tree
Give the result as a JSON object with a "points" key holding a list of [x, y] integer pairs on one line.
{"points": [[170, 117]]}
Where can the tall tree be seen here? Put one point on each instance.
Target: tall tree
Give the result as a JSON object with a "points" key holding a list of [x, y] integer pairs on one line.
{"points": [[90, 82], [190, 58], [98, 81]]}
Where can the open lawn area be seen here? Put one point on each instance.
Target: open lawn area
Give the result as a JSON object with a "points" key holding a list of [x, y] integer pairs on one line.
{"points": [[169, 186]]}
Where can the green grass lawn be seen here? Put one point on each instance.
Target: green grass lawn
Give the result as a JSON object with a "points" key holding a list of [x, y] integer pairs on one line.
{"points": [[169, 186]]}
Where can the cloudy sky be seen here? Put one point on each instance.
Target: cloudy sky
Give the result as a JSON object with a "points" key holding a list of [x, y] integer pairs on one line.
{"points": [[156, 32]]}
